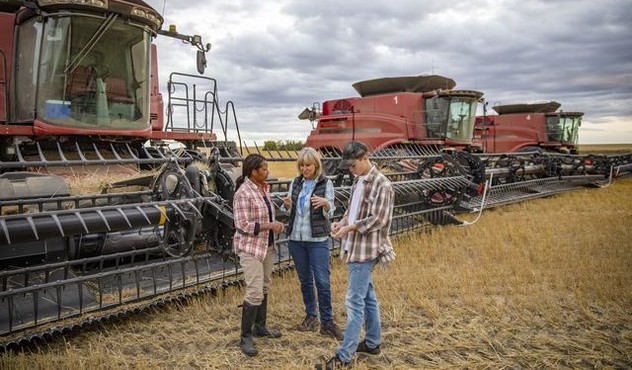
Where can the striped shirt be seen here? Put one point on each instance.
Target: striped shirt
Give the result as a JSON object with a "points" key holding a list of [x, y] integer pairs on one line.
{"points": [[249, 212], [373, 220]]}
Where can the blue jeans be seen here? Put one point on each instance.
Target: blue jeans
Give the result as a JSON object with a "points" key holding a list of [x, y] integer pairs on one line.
{"points": [[311, 260], [362, 308]]}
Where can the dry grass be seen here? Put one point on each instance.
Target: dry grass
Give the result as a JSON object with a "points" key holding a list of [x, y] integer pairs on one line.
{"points": [[605, 148], [542, 284], [283, 170]]}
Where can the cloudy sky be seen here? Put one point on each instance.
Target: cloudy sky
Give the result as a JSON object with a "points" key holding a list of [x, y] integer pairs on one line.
{"points": [[274, 58]]}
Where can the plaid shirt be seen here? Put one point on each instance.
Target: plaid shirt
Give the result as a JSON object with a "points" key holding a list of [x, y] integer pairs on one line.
{"points": [[373, 221], [249, 212]]}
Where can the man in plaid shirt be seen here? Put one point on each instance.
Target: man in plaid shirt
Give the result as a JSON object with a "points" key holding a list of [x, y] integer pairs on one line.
{"points": [[364, 230]]}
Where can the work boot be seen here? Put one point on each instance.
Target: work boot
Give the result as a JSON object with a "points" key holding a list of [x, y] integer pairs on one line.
{"points": [[332, 364], [331, 329], [260, 329], [248, 317], [309, 323], [364, 348]]}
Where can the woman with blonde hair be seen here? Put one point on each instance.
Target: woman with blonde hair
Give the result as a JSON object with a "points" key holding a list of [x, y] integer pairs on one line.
{"points": [[310, 201]]}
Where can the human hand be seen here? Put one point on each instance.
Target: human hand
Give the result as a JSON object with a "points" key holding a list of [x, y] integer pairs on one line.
{"points": [[342, 231], [319, 202], [277, 227], [287, 202], [335, 226]]}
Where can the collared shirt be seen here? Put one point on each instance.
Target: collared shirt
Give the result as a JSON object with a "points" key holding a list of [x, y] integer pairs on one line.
{"points": [[373, 219], [302, 229], [249, 212]]}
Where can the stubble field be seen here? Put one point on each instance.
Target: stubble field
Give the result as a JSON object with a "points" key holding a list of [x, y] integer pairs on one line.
{"points": [[540, 284]]}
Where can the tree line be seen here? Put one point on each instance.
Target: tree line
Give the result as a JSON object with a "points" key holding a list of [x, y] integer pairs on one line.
{"points": [[283, 145]]}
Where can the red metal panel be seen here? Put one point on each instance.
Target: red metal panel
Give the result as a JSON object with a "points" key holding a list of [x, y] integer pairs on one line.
{"points": [[42, 128], [170, 135], [7, 22], [155, 97], [14, 130]]}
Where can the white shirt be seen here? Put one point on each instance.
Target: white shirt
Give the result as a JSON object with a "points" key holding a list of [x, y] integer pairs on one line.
{"points": [[354, 207]]}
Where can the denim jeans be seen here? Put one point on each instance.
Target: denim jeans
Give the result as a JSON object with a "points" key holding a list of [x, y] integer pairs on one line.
{"points": [[311, 260], [362, 308]]}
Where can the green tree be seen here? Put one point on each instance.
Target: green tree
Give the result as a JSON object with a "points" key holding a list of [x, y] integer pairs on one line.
{"points": [[270, 145]]}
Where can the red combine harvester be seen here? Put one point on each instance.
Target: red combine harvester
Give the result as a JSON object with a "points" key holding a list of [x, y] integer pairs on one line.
{"points": [[78, 95], [534, 127], [421, 113]]}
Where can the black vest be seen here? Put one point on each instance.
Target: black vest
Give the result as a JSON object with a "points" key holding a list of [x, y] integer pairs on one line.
{"points": [[321, 226]]}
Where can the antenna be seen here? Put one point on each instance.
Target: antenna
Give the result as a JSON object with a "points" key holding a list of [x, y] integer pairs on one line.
{"points": [[164, 3]]}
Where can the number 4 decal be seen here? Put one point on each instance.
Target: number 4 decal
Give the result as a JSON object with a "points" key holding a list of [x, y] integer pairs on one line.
{"points": [[395, 99]]}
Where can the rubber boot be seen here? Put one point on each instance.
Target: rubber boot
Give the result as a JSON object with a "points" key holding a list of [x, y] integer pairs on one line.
{"points": [[260, 329], [248, 317]]}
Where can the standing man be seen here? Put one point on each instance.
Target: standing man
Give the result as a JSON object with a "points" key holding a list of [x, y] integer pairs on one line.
{"points": [[364, 230]]}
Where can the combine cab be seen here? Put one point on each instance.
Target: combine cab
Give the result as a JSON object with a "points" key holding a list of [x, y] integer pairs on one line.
{"points": [[84, 74], [535, 127], [420, 112]]}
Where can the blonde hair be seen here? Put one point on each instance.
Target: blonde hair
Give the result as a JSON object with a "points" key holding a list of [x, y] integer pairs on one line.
{"points": [[309, 155]]}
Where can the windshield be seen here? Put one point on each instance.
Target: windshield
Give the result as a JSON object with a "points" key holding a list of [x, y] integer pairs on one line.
{"points": [[66, 81], [563, 128], [450, 117]]}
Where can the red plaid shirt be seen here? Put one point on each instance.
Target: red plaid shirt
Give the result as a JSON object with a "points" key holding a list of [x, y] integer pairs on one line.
{"points": [[249, 212]]}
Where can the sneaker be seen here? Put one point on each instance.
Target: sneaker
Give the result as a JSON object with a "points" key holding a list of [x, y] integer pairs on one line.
{"points": [[309, 323], [331, 329], [332, 363], [363, 348]]}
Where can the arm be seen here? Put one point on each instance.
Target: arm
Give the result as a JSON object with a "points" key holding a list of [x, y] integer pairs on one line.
{"points": [[326, 202], [380, 211], [243, 214]]}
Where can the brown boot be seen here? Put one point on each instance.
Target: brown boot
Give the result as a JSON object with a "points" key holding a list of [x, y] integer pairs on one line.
{"points": [[260, 329], [331, 329], [248, 317]]}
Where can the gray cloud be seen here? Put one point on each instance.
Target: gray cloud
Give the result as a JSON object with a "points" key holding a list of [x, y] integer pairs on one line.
{"points": [[576, 52]]}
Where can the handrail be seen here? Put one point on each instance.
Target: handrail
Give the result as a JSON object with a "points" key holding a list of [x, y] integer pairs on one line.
{"points": [[188, 99]]}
